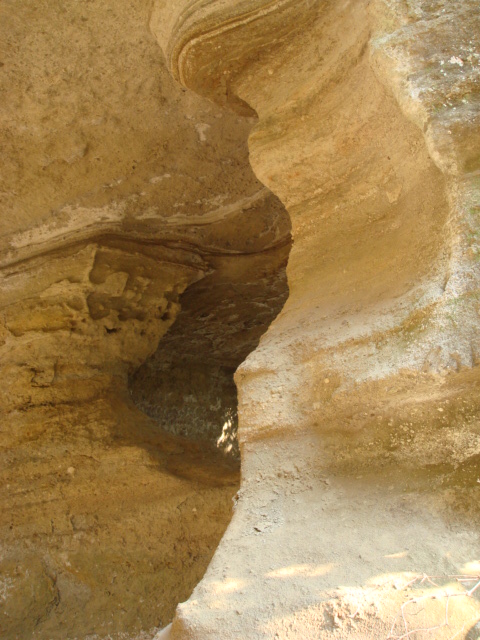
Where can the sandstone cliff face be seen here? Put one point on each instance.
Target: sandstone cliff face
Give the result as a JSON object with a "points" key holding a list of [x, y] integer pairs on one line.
{"points": [[358, 428], [141, 260], [120, 192]]}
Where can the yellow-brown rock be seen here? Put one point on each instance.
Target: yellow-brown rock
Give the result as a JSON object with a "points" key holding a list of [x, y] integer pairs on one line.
{"points": [[358, 428], [120, 191], [142, 259]]}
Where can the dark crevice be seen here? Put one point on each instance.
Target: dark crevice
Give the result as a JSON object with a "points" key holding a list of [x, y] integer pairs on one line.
{"points": [[187, 385], [187, 389]]}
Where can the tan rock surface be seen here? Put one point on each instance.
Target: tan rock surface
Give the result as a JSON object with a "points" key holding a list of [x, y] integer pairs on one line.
{"points": [[358, 419], [119, 192], [129, 210]]}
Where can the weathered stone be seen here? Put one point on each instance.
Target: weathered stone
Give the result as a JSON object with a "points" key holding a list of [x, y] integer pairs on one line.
{"points": [[357, 412], [141, 261], [120, 192]]}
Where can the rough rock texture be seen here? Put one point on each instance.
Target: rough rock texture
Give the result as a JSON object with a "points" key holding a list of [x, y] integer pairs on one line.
{"points": [[106, 523], [221, 319], [358, 412], [120, 191], [141, 259]]}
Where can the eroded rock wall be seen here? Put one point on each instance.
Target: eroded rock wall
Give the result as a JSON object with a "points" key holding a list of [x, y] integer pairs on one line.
{"points": [[120, 192], [134, 234], [358, 411]]}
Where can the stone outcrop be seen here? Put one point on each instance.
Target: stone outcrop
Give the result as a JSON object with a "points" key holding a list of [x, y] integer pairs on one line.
{"points": [[127, 204], [141, 260], [357, 412]]}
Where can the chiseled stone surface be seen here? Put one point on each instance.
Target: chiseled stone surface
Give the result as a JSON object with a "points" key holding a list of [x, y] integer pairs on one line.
{"points": [[358, 412]]}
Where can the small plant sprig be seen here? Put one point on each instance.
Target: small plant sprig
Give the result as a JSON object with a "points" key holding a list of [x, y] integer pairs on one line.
{"points": [[403, 614]]}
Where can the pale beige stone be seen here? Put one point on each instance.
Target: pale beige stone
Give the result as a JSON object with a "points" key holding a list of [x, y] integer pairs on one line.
{"points": [[142, 259], [368, 132]]}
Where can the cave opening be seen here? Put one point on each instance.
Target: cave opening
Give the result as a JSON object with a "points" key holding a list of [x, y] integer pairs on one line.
{"points": [[117, 495], [187, 390]]}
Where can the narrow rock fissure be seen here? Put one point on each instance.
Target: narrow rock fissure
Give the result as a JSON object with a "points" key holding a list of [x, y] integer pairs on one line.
{"points": [[187, 390], [142, 259], [118, 494]]}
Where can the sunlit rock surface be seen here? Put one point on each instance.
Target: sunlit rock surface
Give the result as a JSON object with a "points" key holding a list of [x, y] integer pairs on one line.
{"points": [[143, 246], [358, 411]]}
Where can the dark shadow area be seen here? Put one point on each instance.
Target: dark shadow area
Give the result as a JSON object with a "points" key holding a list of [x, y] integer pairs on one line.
{"points": [[187, 386]]}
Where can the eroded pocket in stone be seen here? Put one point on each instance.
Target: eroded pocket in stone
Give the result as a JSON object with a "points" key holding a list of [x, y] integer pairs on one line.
{"points": [[117, 481]]}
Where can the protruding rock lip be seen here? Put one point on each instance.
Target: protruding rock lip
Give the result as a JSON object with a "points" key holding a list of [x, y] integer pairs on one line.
{"points": [[208, 44], [188, 233]]}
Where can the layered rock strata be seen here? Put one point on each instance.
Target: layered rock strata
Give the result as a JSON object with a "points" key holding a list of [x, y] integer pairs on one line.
{"points": [[358, 411], [140, 262], [121, 194]]}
